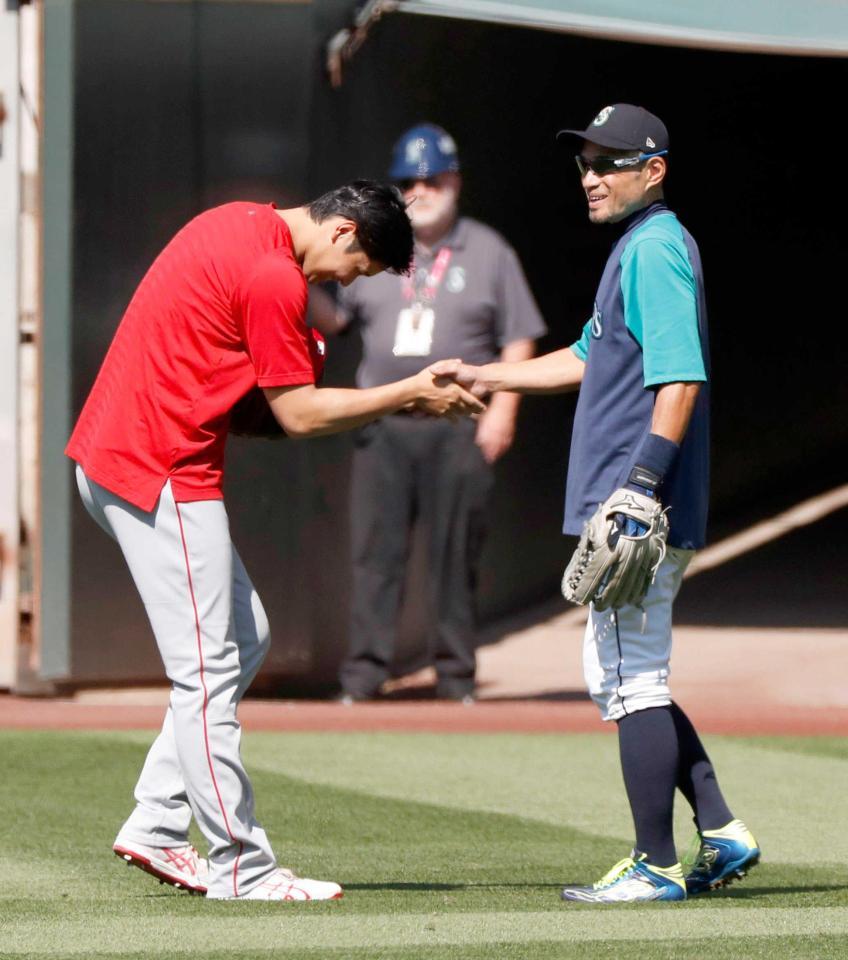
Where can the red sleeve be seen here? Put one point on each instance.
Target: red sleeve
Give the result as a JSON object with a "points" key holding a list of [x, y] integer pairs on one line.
{"points": [[272, 311]]}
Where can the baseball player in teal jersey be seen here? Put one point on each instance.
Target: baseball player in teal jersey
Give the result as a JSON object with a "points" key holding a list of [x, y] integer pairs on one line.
{"points": [[642, 423]]}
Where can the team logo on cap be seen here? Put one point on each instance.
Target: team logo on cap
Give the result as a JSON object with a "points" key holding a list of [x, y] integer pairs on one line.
{"points": [[414, 149], [649, 143], [446, 143], [603, 116]]}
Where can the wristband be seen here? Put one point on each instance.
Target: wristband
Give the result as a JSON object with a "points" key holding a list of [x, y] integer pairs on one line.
{"points": [[655, 457]]}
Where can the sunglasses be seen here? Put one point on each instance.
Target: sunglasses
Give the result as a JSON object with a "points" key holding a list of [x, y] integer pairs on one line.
{"points": [[601, 166], [404, 185]]}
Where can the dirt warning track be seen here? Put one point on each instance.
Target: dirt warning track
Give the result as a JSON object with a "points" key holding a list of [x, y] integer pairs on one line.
{"points": [[515, 716]]}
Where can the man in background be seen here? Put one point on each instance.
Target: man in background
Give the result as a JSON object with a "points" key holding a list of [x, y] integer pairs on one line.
{"points": [[466, 297]]}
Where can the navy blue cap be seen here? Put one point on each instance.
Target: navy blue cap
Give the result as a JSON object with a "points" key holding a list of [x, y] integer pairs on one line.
{"points": [[423, 151], [624, 126]]}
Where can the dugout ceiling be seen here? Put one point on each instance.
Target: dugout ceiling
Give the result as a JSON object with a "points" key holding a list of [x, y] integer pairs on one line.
{"points": [[177, 106], [812, 28]]}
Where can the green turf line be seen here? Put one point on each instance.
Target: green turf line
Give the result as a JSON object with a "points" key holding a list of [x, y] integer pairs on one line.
{"points": [[296, 929], [832, 747], [749, 948]]}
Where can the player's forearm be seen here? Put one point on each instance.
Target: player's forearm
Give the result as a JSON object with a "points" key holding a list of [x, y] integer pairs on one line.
{"points": [[318, 412], [556, 372], [505, 404], [673, 408]]}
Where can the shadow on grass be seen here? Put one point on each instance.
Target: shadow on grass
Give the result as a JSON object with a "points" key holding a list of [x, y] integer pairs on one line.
{"points": [[170, 894], [739, 893], [450, 886], [753, 893]]}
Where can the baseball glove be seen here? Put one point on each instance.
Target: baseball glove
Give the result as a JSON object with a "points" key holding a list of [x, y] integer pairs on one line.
{"points": [[610, 568], [252, 417]]}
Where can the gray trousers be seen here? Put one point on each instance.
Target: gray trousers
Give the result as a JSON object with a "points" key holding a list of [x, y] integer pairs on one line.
{"points": [[409, 470], [212, 634]]}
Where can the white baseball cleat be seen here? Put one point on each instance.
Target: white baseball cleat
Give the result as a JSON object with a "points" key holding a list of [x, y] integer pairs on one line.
{"points": [[285, 885], [181, 866]]}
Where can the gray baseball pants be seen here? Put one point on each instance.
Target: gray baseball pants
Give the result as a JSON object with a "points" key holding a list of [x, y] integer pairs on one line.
{"points": [[627, 652], [212, 635]]}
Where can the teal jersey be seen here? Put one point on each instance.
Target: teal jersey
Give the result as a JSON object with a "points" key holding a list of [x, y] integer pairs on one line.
{"points": [[659, 297], [659, 302]]}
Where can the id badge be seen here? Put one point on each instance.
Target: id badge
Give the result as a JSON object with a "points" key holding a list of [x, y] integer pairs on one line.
{"points": [[414, 333]]}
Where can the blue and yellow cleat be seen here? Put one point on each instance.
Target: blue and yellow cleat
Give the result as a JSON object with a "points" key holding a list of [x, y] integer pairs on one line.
{"points": [[632, 881], [723, 856]]}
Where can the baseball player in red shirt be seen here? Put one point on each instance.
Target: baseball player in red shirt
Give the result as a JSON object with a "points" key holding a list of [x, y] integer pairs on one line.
{"points": [[221, 311]]}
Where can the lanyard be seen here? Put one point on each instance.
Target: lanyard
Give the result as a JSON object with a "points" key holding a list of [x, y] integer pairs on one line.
{"points": [[426, 293]]}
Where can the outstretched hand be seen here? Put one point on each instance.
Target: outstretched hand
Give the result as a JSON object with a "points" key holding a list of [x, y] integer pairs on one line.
{"points": [[467, 376], [442, 395]]}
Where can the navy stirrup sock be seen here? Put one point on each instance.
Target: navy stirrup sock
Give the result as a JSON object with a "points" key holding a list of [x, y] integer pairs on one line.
{"points": [[647, 742], [697, 779]]}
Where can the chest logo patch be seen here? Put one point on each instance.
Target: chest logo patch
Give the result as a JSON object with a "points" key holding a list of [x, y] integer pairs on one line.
{"points": [[455, 280], [597, 323]]}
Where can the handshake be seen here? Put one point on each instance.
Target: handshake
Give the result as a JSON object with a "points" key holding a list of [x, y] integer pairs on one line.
{"points": [[449, 388]]}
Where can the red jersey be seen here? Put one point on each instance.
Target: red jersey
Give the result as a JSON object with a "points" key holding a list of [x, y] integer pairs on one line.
{"points": [[221, 310]]}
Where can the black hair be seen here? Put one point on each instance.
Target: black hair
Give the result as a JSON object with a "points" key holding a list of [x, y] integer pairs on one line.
{"points": [[379, 212]]}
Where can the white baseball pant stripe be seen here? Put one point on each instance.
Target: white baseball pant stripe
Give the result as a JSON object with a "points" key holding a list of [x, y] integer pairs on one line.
{"points": [[212, 635], [626, 652]]}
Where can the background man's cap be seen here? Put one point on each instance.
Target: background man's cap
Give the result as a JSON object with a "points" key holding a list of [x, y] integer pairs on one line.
{"points": [[423, 151], [624, 127]]}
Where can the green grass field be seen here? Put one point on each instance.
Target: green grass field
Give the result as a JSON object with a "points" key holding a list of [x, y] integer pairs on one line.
{"points": [[449, 846]]}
